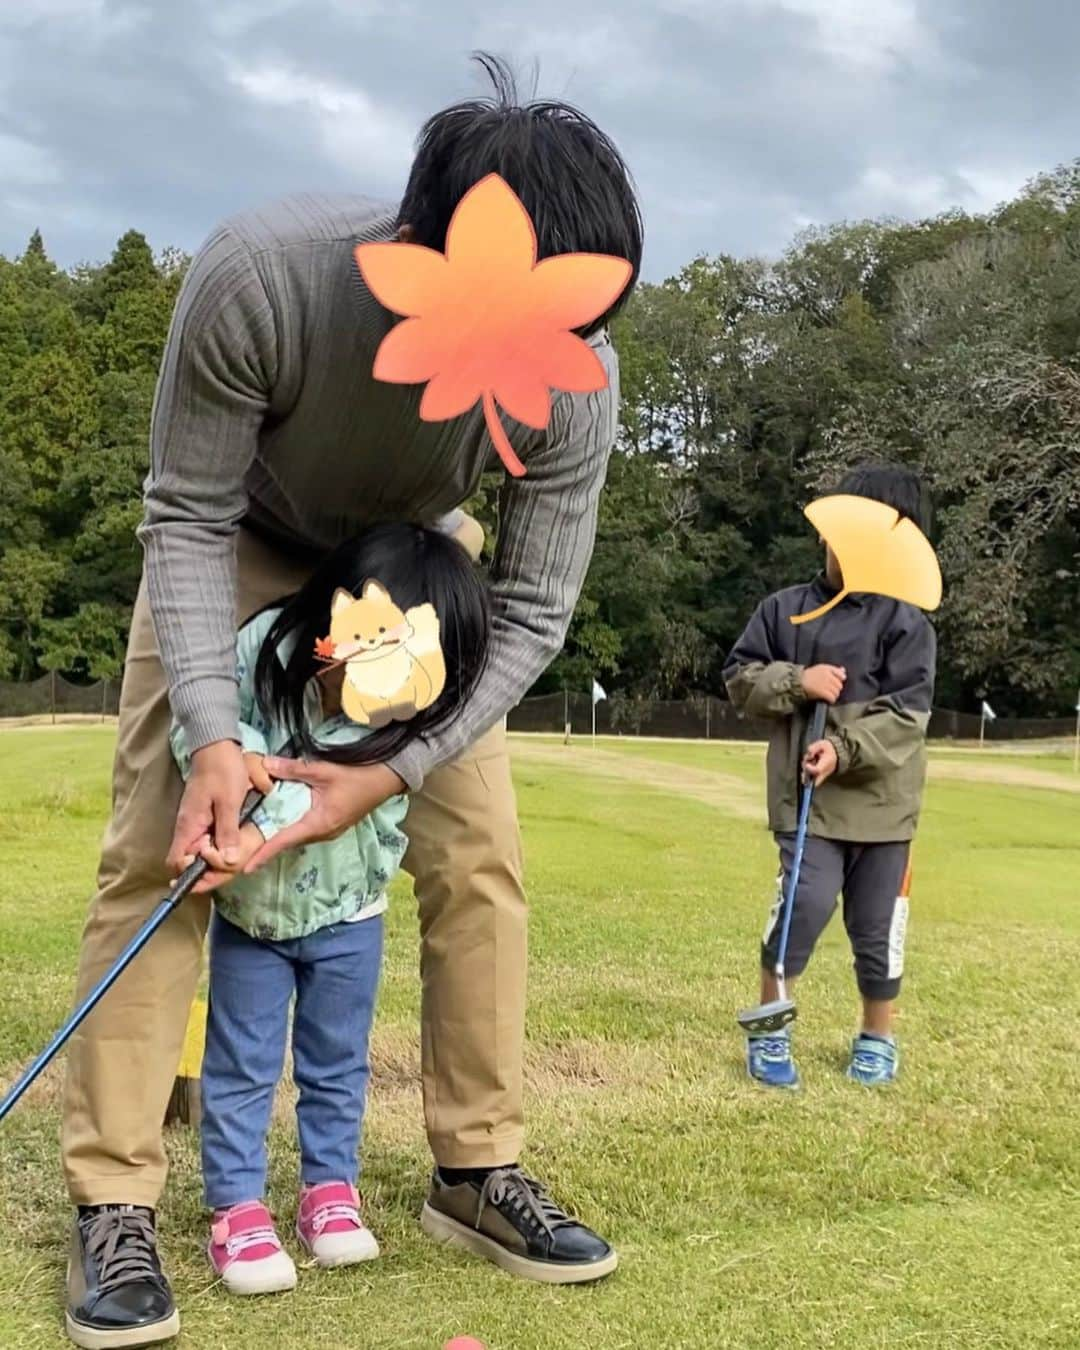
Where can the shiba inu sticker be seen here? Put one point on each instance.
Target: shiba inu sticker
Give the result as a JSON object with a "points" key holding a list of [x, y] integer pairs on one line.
{"points": [[393, 659]]}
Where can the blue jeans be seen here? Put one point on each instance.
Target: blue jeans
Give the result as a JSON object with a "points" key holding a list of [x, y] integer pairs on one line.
{"points": [[334, 974]]}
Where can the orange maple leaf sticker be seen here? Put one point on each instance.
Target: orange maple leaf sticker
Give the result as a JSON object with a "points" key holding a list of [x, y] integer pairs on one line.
{"points": [[324, 649], [485, 320]]}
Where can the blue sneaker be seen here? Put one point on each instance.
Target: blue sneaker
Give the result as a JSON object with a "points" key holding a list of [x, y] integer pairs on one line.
{"points": [[768, 1060], [874, 1060]]}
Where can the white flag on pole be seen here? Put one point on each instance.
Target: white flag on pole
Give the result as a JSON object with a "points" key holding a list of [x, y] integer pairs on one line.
{"points": [[988, 712], [597, 692]]}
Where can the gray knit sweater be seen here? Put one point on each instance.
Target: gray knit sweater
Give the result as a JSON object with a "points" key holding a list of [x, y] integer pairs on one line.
{"points": [[266, 410]]}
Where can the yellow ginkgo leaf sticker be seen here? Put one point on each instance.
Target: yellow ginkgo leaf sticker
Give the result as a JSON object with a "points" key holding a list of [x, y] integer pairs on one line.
{"points": [[878, 551]]}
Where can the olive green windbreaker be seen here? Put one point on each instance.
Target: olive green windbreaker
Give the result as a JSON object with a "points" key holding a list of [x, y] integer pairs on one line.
{"points": [[878, 726]]}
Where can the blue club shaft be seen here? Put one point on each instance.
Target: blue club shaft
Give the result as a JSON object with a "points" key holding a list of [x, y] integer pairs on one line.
{"points": [[162, 910], [817, 730]]}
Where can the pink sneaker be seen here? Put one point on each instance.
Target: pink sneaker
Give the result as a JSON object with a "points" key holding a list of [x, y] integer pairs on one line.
{"points": [[330, 1227], [245, 1251]]}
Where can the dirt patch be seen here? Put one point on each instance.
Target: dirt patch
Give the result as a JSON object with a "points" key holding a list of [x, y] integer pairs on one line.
{"points": [[724, 791], [1004, 775], [582, 1065], [45, 1094], [395, 1064], [395, 1060]]}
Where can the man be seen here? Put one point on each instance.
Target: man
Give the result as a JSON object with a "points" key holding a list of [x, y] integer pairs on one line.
{"points": [[271, 442]]}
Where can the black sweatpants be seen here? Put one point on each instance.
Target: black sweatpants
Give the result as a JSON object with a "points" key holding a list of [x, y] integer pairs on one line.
{"points": [[872, 880]]}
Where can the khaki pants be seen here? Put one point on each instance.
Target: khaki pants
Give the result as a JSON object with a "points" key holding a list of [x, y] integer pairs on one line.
{"points": [[464, 856]]}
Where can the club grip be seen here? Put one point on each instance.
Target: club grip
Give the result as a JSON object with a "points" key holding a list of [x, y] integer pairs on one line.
{"points": [[817, 722], [190, 875]]}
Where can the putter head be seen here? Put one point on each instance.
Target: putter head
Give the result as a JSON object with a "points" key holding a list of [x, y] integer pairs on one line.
{"points": [[767, 1017]]}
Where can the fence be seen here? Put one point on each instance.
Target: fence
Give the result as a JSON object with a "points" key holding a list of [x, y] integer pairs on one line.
{"points": [[709, 718], [53, 696], [704, 718]]}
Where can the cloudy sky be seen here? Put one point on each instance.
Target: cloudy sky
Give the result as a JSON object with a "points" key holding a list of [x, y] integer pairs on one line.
{"points": [[743, 120]]}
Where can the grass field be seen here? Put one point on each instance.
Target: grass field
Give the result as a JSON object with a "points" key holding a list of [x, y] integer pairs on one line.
{"points": [[942, 1213]]}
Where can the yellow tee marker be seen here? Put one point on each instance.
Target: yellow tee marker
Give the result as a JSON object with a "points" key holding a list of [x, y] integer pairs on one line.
{"points": [[878, 553], [185, 1105]]}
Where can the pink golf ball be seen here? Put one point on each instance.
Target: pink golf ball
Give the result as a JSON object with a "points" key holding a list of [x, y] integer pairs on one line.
{"points": [[464, 1343]]}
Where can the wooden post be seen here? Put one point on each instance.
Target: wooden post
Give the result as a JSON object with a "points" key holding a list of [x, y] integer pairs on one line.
{"points": [[52, 694], [708, 716], [104, 697]]}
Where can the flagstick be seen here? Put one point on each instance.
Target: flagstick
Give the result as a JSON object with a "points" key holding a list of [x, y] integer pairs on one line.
{"points": [[982, 730], [594, 720], [1076, 747]]}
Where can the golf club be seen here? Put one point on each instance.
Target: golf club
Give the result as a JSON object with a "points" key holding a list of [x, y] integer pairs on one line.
{"points": [[778, 1012], [184, 883]]}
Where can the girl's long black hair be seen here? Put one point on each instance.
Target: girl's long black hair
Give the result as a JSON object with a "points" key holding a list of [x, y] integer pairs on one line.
{"points": [[416, 565]]}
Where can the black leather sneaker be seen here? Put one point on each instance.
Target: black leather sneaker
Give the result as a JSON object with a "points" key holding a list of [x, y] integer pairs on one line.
{"points": [[511, 1220], [117, 1295]]}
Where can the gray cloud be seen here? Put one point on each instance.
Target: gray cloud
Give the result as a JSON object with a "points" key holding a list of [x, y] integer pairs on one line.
{"points": [[743, 120]]}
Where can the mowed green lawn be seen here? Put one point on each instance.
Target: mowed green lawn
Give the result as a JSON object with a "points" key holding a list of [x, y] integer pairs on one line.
{"points": [[942, 1213]]}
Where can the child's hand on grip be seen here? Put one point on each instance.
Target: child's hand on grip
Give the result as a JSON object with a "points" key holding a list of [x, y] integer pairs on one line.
{"points": [[251, 840], [823, 684], [819, 762], [259, 779]]}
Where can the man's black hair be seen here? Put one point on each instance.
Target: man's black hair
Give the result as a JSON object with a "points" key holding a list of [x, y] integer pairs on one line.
{"points": [[568, 174], [895, 485]]}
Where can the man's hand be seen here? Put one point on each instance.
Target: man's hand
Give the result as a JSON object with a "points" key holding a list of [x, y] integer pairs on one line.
{"points": [[210, 807], [341, 795], [202, 822], [250, 840], [819, 762], [823, 684]]}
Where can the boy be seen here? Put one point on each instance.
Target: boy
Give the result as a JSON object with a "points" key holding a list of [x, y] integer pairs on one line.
{"points": [[871, 659]]}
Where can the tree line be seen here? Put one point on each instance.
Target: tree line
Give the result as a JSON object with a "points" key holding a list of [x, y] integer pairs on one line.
{"points": [[951, 344]]}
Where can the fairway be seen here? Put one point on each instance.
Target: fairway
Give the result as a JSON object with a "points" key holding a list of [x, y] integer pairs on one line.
{"points": [[941, 1213]]}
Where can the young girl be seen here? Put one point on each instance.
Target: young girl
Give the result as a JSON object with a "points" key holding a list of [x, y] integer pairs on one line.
{"points": [[309, 926]]}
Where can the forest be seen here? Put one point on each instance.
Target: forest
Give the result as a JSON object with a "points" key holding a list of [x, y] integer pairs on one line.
{"points": [[748, 385]]}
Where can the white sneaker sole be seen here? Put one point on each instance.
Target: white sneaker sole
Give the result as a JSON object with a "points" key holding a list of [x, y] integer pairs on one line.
{"points": [[92, 1338], [272, 1275], [341, 1249], [443, 1228]]}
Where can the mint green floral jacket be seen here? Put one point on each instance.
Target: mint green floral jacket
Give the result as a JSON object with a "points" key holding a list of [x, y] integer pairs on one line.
{"points": [[305, 889]]}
